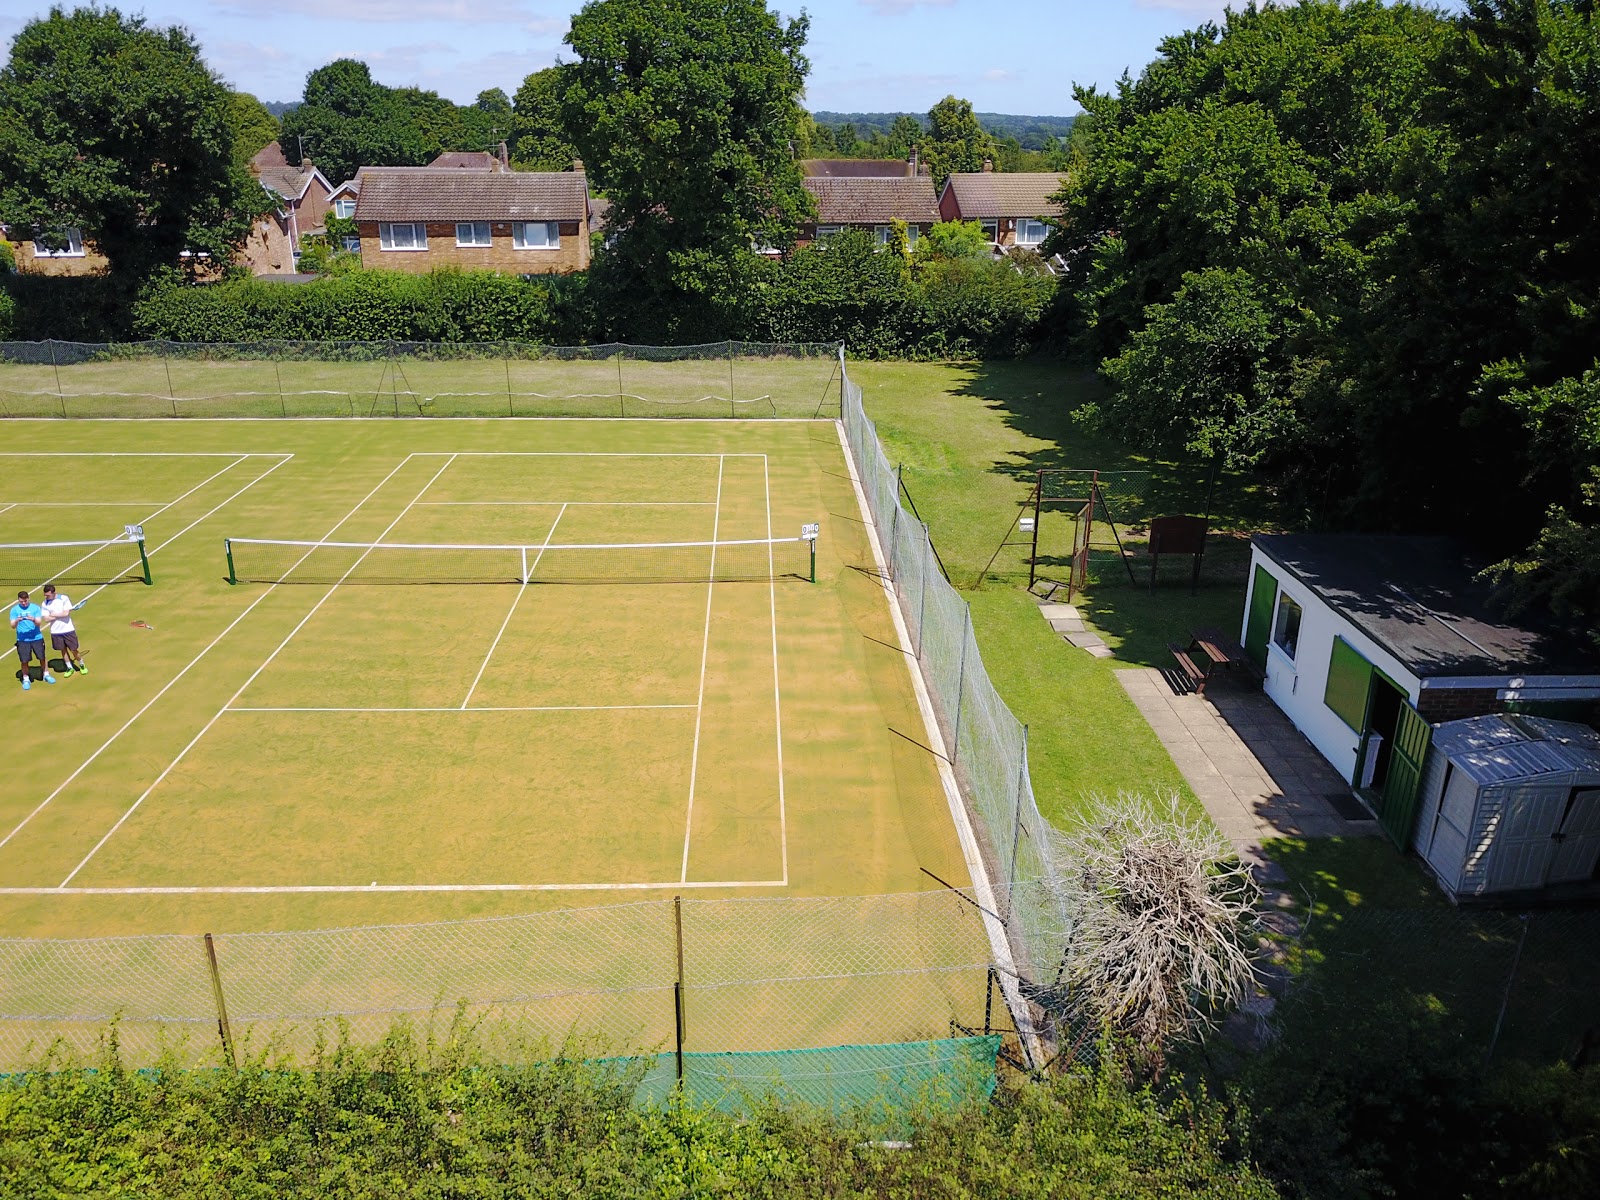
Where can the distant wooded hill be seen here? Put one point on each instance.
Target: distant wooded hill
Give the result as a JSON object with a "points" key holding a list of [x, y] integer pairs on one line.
{"points": [[1032, 133], [278, 107]]}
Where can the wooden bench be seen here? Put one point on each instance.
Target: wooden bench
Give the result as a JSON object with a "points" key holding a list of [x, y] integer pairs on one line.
{"points": [[1192, 671]]}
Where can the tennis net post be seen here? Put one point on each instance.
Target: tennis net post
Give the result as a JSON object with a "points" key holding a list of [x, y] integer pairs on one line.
{"points": [[227, 547], [808, 534], [144, 562]]}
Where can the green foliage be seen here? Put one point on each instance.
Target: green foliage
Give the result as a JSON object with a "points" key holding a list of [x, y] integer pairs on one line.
{"points": [[84, 308], [956, 140], [347, 120], [8, 258], [442, 1120], [252, 126], [683, 112], [118, 129], [951, 240], [446, 306], [539, 141]]}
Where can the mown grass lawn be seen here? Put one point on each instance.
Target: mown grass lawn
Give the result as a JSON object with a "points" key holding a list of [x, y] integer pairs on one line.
{"points": [[969, 438]]}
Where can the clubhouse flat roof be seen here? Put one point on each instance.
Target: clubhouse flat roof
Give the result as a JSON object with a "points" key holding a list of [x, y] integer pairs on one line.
{"points": [[1421, 599]]}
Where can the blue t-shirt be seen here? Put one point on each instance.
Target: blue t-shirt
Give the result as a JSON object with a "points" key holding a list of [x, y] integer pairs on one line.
{"points": [[27, 618]]}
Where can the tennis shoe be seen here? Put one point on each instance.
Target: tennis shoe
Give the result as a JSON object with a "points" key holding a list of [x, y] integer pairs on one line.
{"points": [[82, 670], [49, 678], [27, 681]]}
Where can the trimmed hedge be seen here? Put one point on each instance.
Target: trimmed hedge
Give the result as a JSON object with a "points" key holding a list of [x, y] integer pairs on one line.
{"points": [[878, 303]]}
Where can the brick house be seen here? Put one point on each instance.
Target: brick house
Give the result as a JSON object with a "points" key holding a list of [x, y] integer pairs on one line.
{"points": [[304, 199], [472, 160], [419, 219], [871, 203], [1011, 208]]}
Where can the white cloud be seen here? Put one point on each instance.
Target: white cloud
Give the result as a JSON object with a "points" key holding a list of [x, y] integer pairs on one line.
{"points": [[478, 12], [895, 8], [999, 75]]}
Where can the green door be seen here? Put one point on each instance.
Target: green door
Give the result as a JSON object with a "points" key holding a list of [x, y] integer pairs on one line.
{"points": [[1263, 599], [1397, 807]]}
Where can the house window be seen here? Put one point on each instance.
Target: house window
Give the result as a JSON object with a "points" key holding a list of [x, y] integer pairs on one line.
{"points": [[408, 236], [1031, 232], [883, 233], [472, 233], [912, 234], [991, 230], [827, 230], [344, 209], [1286, 629], [535, 235], [73, 248], [351, 243]]}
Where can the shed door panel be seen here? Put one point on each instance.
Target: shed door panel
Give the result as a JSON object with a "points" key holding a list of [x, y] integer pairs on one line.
{"points": [[1263, 603], [1577, 847], [1397, 806], [1519, 857]]}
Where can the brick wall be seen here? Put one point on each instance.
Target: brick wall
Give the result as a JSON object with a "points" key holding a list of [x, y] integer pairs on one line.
{"points": [[1452, 704], [501, 255], [91, 262], [314, 207]]}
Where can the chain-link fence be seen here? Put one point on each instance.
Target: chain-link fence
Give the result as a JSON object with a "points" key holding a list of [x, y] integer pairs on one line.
{"points": [[985, 743], [829, 999], [1502, 985], [417, 379]]}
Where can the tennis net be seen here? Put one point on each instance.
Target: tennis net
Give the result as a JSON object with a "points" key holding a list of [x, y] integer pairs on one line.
{"points": [[265, 560], [121, 559]]}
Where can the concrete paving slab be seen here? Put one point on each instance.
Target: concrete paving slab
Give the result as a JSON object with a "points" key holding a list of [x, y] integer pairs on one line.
{"points": [[1060, 612], [1066, 625], [1100, 651]]}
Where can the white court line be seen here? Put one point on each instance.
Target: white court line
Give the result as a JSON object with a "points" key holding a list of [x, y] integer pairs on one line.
{"points": [[705, 647], [277, 889], [494, 645], [158, 512], [120, 453], [563, 503], [475, 709], [602, 453], [153, 550], [206, 728], [89, 504], [106, 745], [7, 508], [777, 694]]}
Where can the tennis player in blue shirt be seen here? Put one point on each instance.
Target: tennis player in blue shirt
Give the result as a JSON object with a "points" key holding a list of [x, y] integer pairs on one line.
{"points": [[25, 618]]}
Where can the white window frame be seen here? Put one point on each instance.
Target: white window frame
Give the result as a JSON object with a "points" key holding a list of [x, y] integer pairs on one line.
{"points": [[1026, 225], [1282, 641], [417, 231], [344, 208], [473, 228], [521, 229], [829, 230], [913, 232], [351, 242], [882, 233], [74, 247]]}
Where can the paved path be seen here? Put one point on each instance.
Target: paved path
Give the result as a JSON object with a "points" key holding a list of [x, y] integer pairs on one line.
{"points": [[1256, 775]]}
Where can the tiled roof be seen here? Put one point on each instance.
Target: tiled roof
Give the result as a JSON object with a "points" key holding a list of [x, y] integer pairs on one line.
{"points": [[429, 194], [467, 160], [288, 182], [994, 194], [270, 155], [854, 168], [863, 201]]}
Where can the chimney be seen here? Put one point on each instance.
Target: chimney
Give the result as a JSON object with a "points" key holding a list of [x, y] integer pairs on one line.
{"points": [[988, 164], [913, 162], [505, 157], [577, 164]]}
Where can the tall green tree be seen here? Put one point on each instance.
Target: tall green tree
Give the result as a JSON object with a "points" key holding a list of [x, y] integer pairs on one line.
{"points": [[346, 120], [956, 139], [252, 126], [684, 112], [119, 129], [538, 138]]}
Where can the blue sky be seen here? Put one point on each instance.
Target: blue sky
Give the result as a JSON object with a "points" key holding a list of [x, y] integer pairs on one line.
{"points": [[1018, 56]]}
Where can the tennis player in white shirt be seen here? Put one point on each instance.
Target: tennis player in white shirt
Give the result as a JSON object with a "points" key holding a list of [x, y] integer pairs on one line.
{"points": [[63, 633]]}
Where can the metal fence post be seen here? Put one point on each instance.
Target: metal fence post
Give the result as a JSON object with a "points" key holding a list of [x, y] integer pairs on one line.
{"points": [[1016, 828], [166, 365], [677, 987], [1505, 996], [922, 603], [894, 524], [961, 687], [55, 367]]}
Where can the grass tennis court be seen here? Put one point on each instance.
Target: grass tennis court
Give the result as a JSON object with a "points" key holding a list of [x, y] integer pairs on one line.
{"points": [[301, 754]]}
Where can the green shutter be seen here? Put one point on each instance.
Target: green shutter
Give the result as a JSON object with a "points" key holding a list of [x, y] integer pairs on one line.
{"points": [[1263, 601], [1349, 681]]}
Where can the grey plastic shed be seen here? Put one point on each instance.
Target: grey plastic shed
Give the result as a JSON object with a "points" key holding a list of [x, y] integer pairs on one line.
{"points": [[1510, 805]]}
